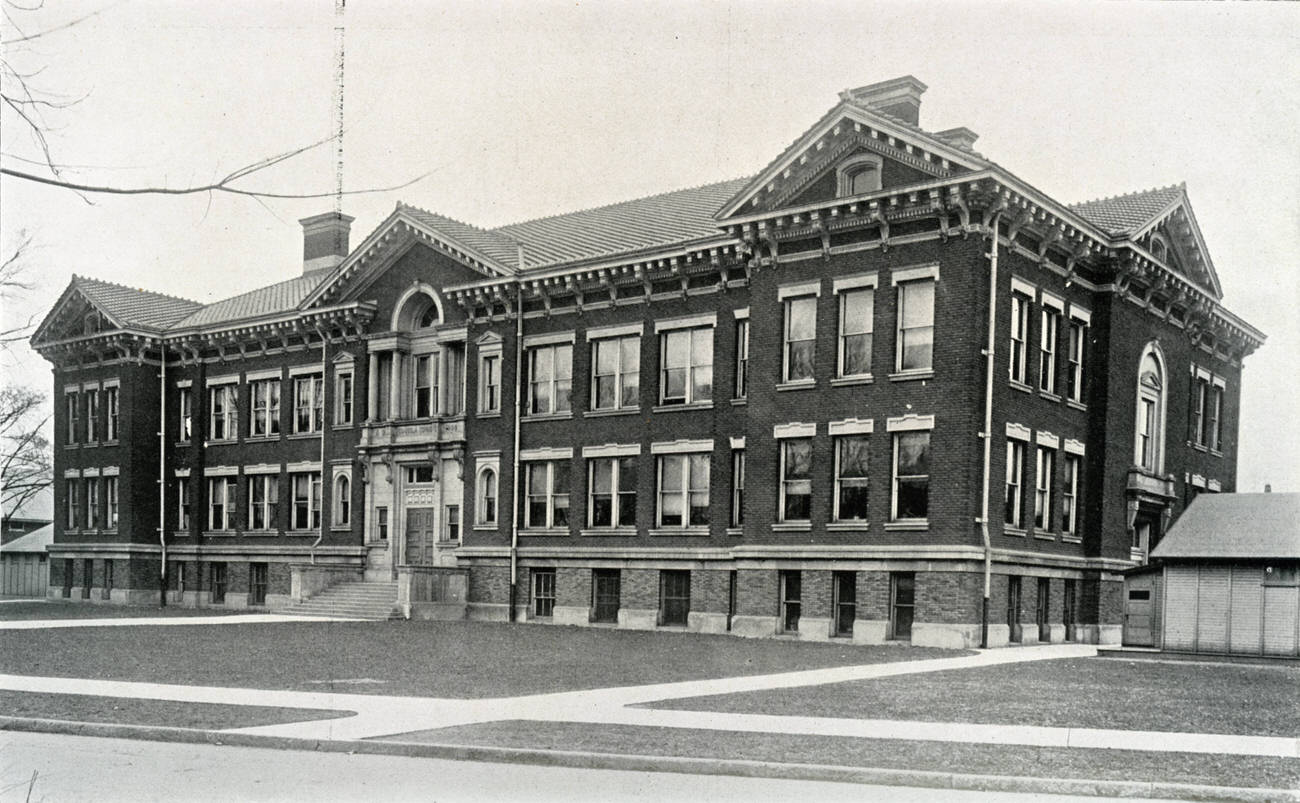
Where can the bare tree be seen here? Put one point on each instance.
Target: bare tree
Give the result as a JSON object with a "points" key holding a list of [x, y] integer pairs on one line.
{"points": [[26, 465], [13, 283]]}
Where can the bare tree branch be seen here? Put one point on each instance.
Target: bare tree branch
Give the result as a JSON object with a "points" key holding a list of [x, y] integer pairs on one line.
{"points": [[26, 462], [220, 186], [48, 31]]}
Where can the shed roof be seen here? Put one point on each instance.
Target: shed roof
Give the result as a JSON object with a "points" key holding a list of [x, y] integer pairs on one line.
{"points": [[1258, 525]]}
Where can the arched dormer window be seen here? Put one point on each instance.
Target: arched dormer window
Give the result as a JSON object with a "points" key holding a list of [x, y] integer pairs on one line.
{"points": [[859, 176], [487, 496], [1164, 251], [90, 324], [1149, 444]]}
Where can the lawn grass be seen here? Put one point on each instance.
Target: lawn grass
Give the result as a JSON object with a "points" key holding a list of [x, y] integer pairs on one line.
{"points": [[12, 611], [426, 659], [1119, 765], [1261, 700], [166, 713]]}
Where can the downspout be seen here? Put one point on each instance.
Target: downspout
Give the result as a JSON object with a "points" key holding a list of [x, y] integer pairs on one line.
{"points": [[514, 470], [987, 433], [324, 365], [162, 471]]}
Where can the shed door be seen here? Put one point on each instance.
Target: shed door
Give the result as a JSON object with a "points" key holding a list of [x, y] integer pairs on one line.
{"points": [[1139, 602], [1180, 608], [1247, 601], [1281, 609], [1212, 610]]}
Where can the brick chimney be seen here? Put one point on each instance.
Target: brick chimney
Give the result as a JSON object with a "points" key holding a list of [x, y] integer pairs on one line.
{"points": [[962, 137], [900, 97], [324, 240]]}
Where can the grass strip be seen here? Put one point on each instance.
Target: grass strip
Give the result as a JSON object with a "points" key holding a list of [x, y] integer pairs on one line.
{"points": [[165, 713]]}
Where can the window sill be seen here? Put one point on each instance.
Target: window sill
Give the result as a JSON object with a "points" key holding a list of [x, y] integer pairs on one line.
{"points": [[90, 444], [1020, 386], [605, 412], [489, 414], [303, 436], [735, 531], [608, 531], [547, 417], [740, 402], [1071, 539], [845, 381], [221, 442], [847, 526], [1216, 453], [908, 376], [1051, 397], [183, 444], [71, 445], [669, 531], [302, 532], [1198, 447], [179, 534], [552, 531], [261, 439], [343, 426], [792, 527], [341, 528], [260, 533], [917, 525], [1015, 532], [221, 533], [485, 528], [802, 384], [1044, 536], [672, 408], [1077, 405]]}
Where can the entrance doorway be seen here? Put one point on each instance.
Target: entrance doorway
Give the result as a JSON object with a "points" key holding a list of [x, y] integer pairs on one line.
{"points": [[1139, 610], [605, 592], [421, 532]]}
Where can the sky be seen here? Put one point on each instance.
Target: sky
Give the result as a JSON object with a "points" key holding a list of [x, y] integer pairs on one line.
{"points": [[510, 111]]}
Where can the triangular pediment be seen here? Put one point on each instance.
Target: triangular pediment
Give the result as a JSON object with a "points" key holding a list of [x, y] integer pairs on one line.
{"points": [[1175, 239], [489, 338], [74, 315], [810, 170]]}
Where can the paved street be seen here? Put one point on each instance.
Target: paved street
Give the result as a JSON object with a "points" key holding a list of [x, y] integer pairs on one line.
{"points": [[73, 768]]}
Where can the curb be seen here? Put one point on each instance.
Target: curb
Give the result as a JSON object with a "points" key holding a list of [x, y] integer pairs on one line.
{"points": [[677, 764]]}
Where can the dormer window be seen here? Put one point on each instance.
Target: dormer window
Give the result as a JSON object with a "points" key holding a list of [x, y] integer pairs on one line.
{"points": [[859, 176], [90, 323]]}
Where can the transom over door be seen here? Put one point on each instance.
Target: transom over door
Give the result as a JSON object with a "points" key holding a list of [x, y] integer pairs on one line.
{"points": [[421, 532]]}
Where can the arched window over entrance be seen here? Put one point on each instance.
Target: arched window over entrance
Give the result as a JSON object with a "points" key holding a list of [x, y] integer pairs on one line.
{"points": [[1149, 443], [418, 309]]}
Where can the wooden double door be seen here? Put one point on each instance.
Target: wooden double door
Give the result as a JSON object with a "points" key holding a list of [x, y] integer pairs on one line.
{"points": [[421, 533]]}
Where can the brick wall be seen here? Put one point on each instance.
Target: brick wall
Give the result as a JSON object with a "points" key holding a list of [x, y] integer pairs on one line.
{"points": [[756, 592]]}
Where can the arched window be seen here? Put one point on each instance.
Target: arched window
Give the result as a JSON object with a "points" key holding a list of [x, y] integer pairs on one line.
{"points": [[428, 318], [859, 176], [417, 309], [1149, 443], [342, 501], [487, 496]]}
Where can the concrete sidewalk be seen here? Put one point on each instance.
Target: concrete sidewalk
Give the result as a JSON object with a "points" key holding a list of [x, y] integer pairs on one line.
{"points": [[158, 621]]}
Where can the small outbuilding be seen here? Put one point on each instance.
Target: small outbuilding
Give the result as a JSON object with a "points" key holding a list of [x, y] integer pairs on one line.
{"points": [[1231, 576], [24, 566]]}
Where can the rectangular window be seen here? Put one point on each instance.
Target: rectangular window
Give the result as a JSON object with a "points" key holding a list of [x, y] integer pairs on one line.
{"points": [[265, 394], [791, 593], [217, 581], [110, 414], [183, 503], [1013, 607], [742, 358], [343, 398], [108, 579], [737, 487], [1019, 331], [674, 597], [845, 602], [616, 373], [110, 503], [1044, 468], [911, 476], [916, 325], [800, 339], [221, 501], [186, 407], [306, 500], [73, 410], [683, 490], [88, 578], [489, 383], [92, 503], [543, 592], [223, 416], [1146, 431], [902, 604], [686, 366], [263, 495], [308, 403], [856, 324], [451, 524], [1200, 394], [796, 479], [546, 504], [1214, 418], [1070, 494], [342, 516], [851, 454], [421, 474], [426, 385], [70, 488], [605, 593], [381, 523], [611, 490], [257, 573], [92, 416], [1074, 375], [1014, 515], [550, 379], [487, 495], [1047, 337]]}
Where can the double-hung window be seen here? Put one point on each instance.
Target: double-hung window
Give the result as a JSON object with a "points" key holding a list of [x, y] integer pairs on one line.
{"points": [[1047, 343], [344, 391], [308, 403], [611, 492], [1200, 398], [742, 358], [800, 340], [1214, 418], [1014, 513], [915, 350], [110, 503], [73, 410], [183, 503], [543, 592], [1019, 332], [851, 455], [221, 502], [1070, 494], [550, 379], [306, 500], [70, 488], [1076, 357], [683, 490], [489, 383], [223, 415], [342, 516], [426, 385], [796, 479], [265, 420], [1045, 466], [92, 416], [110, 413], [857, 321], [616, 372], [546, 502], [686, 366], [487, 496], [92, 503], [911, 497], [263, 496], [737, 487], [185, 407]]}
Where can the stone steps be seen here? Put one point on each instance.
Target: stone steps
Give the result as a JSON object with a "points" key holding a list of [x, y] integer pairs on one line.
{"points": [[358, 600]]}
